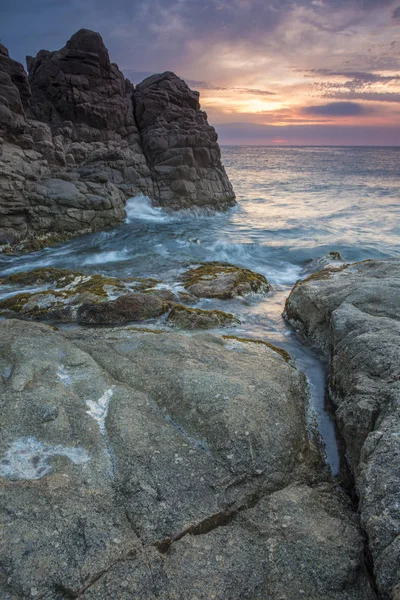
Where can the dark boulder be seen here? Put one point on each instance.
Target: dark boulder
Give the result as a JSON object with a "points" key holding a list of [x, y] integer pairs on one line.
{"points": [[131, 307]]}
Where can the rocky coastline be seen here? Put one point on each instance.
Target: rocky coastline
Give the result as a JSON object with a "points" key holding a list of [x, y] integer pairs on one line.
{"points": [[77, 140], [148, 448], [138, 461]]}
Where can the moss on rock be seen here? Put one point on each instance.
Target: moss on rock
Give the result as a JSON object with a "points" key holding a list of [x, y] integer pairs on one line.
{"points": [[34, 244], [223, 280], [196, 318], [15, 303], [68, 291], [80, 282], [142, 284], [57, 277], [145, 330], [96, 285], [324, 273]]}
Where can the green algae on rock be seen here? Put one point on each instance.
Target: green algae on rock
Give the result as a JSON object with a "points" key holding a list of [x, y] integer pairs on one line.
{"points": [[130, 307], [284, 354], [223, 281], [39, 242], [70, 289], [324, 273], [40, 276], [196, 318], [15, 303], [76, 280]]}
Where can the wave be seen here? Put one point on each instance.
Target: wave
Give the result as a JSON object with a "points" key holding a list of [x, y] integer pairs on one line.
{"points": [[257, 258], [140, 208]]}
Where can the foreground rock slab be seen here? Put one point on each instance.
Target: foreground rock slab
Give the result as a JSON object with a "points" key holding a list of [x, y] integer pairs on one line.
{"points": [[151, 465], [353, 314]]}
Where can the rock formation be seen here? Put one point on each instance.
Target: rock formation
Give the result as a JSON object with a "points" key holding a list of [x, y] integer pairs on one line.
{"points": [[157, 465], [352, 313], [71, 296], [77, 139]]}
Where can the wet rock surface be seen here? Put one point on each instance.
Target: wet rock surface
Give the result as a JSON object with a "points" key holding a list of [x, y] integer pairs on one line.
{"points": [[94, 299], [196, 318], [223, 281], [126, 308], [77, 139], [352, 313], [333, 259], [145, 465], [70, 296]]}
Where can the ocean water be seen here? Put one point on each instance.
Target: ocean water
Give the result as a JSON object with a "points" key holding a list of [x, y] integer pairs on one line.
{"points": [[294, 205]]}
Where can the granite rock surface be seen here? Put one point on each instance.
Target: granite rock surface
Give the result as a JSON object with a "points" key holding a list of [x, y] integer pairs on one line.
{"points": [[152, 465], [352, 313]]}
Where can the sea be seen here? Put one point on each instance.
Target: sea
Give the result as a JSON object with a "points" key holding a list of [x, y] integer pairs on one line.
{"points": [[295, 205]]}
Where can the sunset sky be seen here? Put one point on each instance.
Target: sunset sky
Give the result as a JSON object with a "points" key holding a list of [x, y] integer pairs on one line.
{"points": [[269, 71]]}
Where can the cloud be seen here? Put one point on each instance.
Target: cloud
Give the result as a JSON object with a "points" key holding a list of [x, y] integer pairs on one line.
{"points": [[324, 135], [171, 24], [361, 85], [253, 51], [396, 14], [356, 78], [335, 109], [367, 96], [203, 85]]}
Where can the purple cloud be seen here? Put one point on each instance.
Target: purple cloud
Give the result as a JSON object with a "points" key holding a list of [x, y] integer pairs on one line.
{"points": [[396, 14], [335, 109]]}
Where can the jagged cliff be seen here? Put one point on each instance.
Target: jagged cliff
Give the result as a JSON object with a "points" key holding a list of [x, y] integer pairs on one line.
{"points": [[77, 139]]}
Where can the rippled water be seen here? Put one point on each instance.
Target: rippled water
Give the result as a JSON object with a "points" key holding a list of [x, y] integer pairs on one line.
{"points": [[294, 204]]}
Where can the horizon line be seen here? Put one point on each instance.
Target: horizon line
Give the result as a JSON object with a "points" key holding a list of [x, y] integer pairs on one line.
{"points": [[309, 146]]}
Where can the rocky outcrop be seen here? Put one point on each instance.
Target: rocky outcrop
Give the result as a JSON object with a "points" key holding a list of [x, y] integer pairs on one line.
{"points": [[77, 140], [352, 313], [143, 465], [70, 296], [94, 299], [180, 146], [223, 281]]}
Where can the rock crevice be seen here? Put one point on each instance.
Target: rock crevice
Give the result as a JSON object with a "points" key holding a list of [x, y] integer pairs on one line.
{"points": [[354, 318]]}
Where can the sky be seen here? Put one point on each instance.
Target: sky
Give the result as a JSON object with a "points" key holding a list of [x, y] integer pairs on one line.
{"points": [[275, 72]]}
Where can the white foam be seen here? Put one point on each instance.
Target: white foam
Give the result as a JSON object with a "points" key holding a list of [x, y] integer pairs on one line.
{"points": [[284, 274], [27, 458], [101, 258], [98, 409], [140, 208]]}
